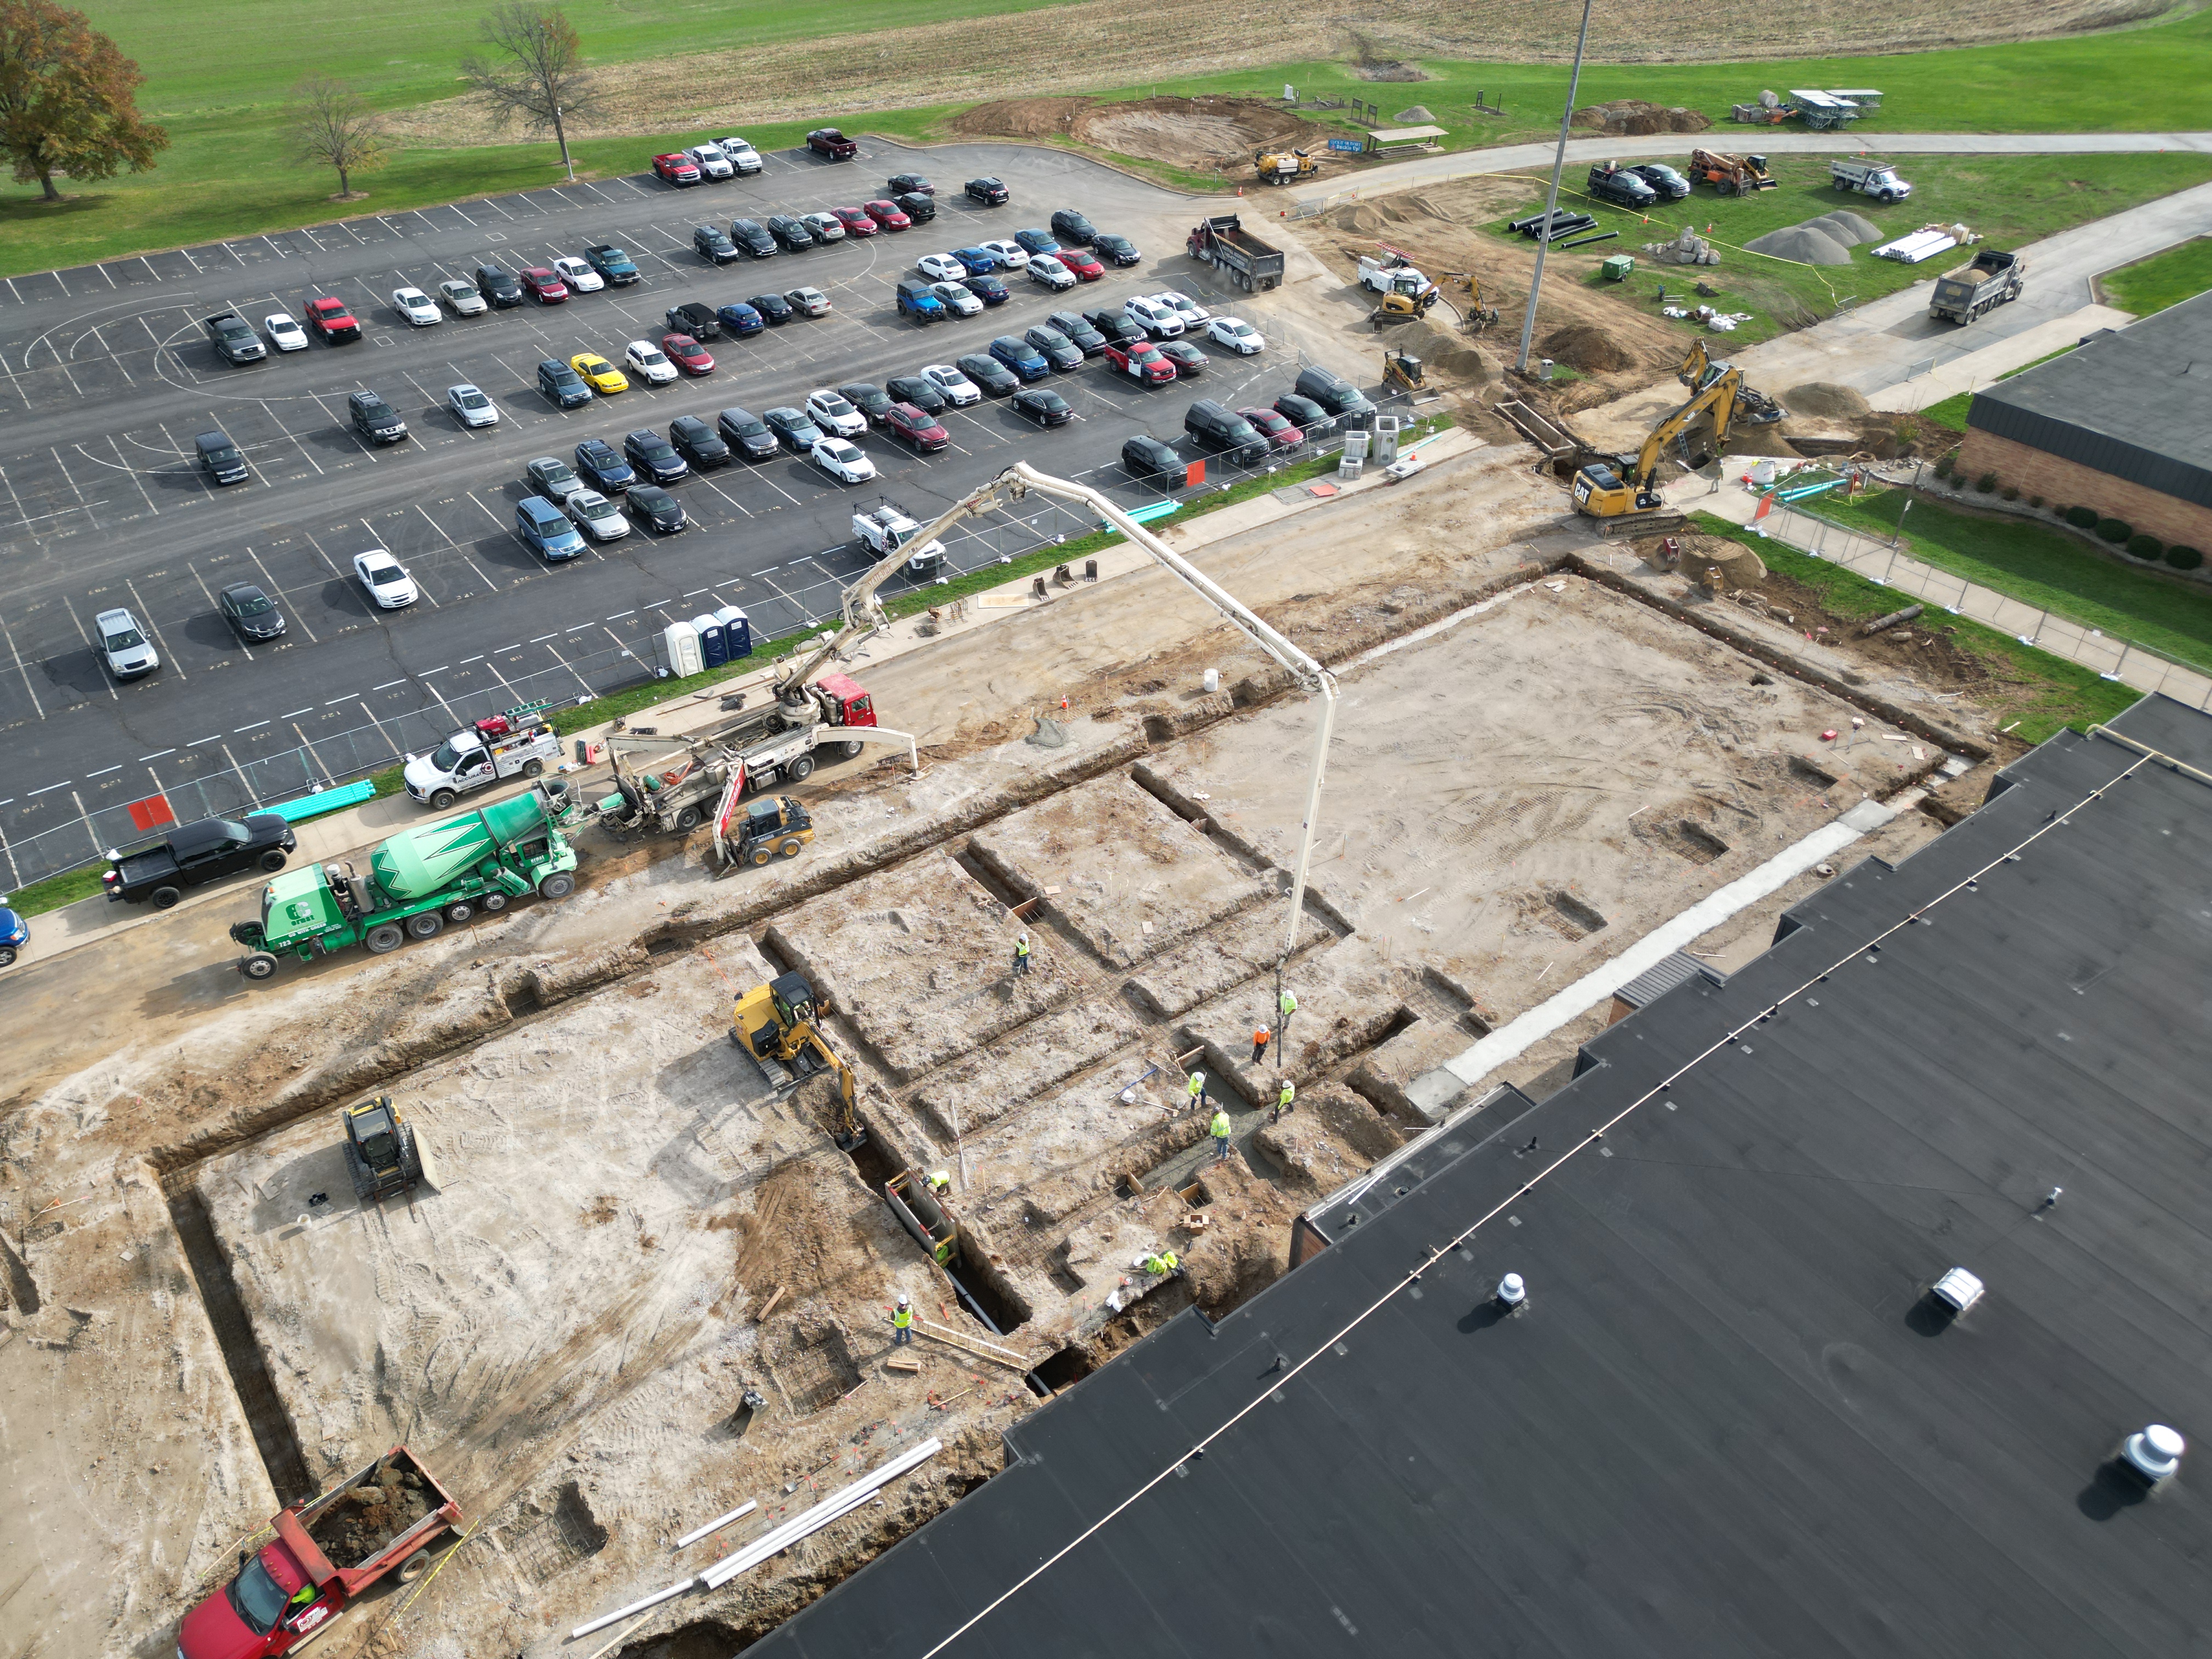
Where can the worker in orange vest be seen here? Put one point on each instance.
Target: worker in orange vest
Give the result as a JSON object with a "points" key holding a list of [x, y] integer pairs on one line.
{"points": [[1260, 1042]]}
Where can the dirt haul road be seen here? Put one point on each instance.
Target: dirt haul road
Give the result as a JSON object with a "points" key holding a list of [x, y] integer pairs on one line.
{"points": [[564, 1321]]}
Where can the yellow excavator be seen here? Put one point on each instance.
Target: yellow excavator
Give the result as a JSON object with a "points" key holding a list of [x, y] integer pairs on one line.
{"points": [[779, 1025], [1621, 491]]}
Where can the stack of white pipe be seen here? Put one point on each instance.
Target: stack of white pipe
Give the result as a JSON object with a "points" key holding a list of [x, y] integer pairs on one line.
{"points": [[782, 1538]]}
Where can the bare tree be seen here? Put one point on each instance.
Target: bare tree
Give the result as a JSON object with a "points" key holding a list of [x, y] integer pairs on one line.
{"points": [[332, 123], [535, 73]]}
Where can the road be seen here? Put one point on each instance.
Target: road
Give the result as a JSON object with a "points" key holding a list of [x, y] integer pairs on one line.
{"points": [[105, 376]]}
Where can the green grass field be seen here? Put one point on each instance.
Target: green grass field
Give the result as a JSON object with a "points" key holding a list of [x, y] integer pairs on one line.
{"points": [[2041, 692], [2010, 199], [2164, 279], [2043, 566]]}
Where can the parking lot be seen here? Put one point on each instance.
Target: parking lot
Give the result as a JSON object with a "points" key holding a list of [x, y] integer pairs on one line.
{"points": [[107, 375]]}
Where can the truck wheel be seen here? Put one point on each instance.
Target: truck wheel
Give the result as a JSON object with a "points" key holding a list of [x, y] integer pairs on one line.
{"points": [[457, 914], [493, 904], [850, 750], [534, 769], [688, 820], [415, 1567], [259, 965], [424, 924], [164, 897], [559, 884], [441, 798], [273, 860], [762, 855], [385, 936], [789, 846], [800, 768]]}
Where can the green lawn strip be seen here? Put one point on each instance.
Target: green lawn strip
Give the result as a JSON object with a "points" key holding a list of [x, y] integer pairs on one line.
{"points": [[2050, 692], [55, 891], [2042, 567], [2164, 279], [2011, 199]]}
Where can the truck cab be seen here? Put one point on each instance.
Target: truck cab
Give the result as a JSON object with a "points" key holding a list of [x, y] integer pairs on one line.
{"points": [[886, 529], [1391, 274], [470, 760]]}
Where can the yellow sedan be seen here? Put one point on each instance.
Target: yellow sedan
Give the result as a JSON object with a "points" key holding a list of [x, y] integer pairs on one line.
{"points": [[599, 374]]}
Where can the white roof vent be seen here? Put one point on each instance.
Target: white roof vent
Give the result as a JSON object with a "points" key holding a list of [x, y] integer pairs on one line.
{"points": [[1511, 1291], [1958, 1289], [2155, 1452]]}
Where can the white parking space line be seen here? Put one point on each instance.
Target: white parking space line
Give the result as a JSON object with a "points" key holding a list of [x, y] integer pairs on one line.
{"points": [[278, 588], [489, 585], [213, 607], [97, 656], [420, 585], [70, 479], [5, 634], [146, 612]]}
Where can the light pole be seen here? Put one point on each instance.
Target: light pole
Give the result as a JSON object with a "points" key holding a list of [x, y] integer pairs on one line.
{"points": [[1552, 201]]}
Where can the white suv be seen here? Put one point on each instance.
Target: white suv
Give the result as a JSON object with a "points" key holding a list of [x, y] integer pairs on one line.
{"points": [[1155, 316], [122, 645]]}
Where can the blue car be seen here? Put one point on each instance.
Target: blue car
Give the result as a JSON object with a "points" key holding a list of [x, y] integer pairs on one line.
{"points": [[977, 261], [14, 934], [740, 320], [1035, 241], [600, 464], [544, 529], [1019, 354], [991, 290]]}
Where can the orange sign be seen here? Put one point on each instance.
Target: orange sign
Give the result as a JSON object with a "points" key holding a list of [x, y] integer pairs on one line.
{"points": [[152, 812], [1194, 474]]}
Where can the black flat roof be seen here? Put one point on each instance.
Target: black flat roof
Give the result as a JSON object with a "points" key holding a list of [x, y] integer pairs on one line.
{"points": [[2135, 402], [1726, 1423]]}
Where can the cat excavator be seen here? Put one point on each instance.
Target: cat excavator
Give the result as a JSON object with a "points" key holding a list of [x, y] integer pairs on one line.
{"points": [[778, 1023], [1621, 491]]}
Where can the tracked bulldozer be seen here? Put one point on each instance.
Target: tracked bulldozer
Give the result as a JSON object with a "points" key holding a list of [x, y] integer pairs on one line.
{"points": [[779, 1025]]}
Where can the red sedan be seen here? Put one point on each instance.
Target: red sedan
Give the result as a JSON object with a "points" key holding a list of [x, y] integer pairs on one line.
{"points": [[543, 286], [889, 215], [687, 354], [856, 222], [1083, 262], [1275, 427], [905, 421]]}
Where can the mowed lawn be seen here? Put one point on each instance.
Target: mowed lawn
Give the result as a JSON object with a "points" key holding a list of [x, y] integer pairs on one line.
{"points": [[2164, 279]]}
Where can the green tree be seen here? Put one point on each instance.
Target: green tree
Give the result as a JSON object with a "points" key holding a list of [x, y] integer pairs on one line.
{"points": [[535, 73], [68, 98], [332, 123]]}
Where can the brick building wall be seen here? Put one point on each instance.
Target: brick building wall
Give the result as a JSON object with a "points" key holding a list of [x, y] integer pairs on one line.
{"points": [[2068, 483]]}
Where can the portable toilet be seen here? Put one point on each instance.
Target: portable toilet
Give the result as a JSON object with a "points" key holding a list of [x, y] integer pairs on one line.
{"points": [[712, 652], [737, 632], [679, 645]]}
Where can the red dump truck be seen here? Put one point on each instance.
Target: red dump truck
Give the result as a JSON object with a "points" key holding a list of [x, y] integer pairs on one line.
{"points": [[381, 1520]]}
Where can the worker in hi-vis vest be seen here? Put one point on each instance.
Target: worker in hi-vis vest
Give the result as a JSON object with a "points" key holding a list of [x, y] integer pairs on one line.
{"points": [[1283, 1097], [903, 1322], [1220, 1130]]}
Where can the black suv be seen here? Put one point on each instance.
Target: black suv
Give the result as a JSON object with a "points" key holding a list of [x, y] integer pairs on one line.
{"points": [[753, 238], [746, 434], [1224, 432], [1081, 335], [250, 612], [790, 234], [696, 442], [191, 853], [989, 191], [1336, 395], [1303, 413], [600, 466], [654, 456], [919, 207], [563, 385], [1072, 227], [499, 285], [1062, 353], [1150, 461], [220, 458], [713, 245], [373, 419], [697, 320]]}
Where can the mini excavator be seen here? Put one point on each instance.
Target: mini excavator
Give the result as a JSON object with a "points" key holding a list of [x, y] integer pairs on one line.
{"points": [[778, 1023]]}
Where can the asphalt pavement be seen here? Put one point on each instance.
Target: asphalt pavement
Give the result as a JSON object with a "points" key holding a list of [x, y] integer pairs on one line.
{"points": [[107, 375]]}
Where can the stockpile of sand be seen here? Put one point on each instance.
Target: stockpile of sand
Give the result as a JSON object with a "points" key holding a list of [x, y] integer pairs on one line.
{"points": [[1633, 117], [1824, 399], [1827, 241], [1586, 349], [1418, 113]]}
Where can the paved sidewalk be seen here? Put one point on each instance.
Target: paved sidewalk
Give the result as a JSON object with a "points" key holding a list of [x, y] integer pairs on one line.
{"points": [[1991, 362], [346, 833], [1877, 560]]}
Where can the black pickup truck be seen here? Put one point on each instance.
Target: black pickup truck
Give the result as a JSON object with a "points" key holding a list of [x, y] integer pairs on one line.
{"points": [[234, 338], [194, 854]]}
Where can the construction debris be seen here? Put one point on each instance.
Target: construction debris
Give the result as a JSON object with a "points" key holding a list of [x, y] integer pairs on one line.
{"points": [[1688, 249]]}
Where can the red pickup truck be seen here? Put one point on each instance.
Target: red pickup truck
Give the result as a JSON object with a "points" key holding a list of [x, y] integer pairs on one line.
{"points": [[330, 318], [828, 141], [1140, 360], [290, 1592]]}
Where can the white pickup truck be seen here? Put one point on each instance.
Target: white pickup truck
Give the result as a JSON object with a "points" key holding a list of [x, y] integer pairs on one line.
{"points": [[470, 760], [1391, 273], [884, 528], [1876, 178]]}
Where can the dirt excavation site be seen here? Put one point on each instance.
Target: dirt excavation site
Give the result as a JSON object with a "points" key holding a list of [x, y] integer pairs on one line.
{"points": [[639, 1287]]}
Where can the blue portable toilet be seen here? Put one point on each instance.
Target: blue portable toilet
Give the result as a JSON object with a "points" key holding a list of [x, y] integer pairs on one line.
{"points": [[737, 632], [713, 651]]}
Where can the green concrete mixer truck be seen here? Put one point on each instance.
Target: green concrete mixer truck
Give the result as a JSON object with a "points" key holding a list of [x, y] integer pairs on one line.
{"points": [[417, 882]]}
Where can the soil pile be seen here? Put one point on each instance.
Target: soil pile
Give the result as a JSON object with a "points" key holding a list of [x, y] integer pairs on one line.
{"points": [[1633, 117], [1217, 133], [1825, 398], [1587, 350], [1806, 244], [1418, 112], [1443, 352], [1846, 227], [369, 1516]]}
